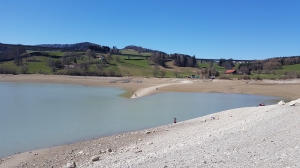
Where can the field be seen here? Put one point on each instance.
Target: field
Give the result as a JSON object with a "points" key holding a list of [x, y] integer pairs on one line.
{"points": [[133, 52]]}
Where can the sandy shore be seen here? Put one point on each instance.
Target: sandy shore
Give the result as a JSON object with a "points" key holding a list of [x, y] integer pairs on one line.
{"points": [[289, 89], [247, 137]]}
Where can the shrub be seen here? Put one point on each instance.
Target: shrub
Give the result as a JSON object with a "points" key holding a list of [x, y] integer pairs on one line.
{"points": [[257, 78], [8, 70]]}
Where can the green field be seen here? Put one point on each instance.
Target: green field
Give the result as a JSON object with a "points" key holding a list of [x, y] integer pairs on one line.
{"points": [[295, 67], [36, 64], [133, 52], [216, 66], [55, 53]]}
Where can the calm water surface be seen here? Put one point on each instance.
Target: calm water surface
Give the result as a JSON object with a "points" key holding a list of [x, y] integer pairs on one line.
{"points": [[34, 116]]}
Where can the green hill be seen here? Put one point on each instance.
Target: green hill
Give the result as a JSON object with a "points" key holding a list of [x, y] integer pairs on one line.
{"points": [[127, 63]]}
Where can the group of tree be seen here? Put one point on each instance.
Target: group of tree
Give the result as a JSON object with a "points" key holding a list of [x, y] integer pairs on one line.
{"points": [[99, 48], [227, 64], [115, 50], [159, 58], [76, 46], [141, 49], [11, 52], [183, 60], [268, 64], [208, 71], [158, 72]]}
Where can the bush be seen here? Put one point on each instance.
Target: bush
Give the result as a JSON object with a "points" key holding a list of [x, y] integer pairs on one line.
{"points": [[292, 74], [7, 70], [257, 78]]}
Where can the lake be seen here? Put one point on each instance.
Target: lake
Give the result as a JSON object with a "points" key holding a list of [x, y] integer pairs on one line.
{"points": [[34, 116]]}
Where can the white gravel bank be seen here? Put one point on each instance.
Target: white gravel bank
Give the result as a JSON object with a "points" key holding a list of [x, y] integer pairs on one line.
{"points": [[265, 136]]}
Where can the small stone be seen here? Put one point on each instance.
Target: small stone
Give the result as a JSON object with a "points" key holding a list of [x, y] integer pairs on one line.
{"points": [[147, 132], [71, 165], [95, 158], [138, 151]]}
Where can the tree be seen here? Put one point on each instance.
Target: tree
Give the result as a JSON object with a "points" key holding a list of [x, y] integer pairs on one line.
{"points": [[118, 58], [155, 70], [18, 60], [204, 72], [24, 69], [88, 52], [176, 73], [109, 57], [162, 73], [198, 72], [158, 58]]}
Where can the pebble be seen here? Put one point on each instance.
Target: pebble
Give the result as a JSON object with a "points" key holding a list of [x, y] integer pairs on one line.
{"points": [[95, 158], [71, 165]]}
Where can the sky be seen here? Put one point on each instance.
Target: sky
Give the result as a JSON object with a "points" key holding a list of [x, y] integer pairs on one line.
{"points": [[238, 29]]}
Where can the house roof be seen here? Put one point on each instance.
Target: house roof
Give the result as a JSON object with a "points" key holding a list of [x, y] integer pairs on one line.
{"points": [[229, 71]]}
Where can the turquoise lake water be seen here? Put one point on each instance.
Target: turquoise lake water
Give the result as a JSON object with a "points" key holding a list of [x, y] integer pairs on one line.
{"points": [[34, 116]]}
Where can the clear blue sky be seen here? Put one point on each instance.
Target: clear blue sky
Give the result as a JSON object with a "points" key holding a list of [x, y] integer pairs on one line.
{"points": [[239, 29]]}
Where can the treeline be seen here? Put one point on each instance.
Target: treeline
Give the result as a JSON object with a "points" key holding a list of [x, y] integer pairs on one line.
{"points": [[268, 64], [99, 48], [77, 46], [180, 60], [11, 52], [141, 49]]}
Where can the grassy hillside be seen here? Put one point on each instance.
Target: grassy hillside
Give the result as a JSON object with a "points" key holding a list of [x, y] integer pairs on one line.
{"points": [[119, 65], [133, 52]]}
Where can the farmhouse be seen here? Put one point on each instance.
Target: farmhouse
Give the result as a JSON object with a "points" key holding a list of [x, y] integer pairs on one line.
{"points": [[230, 71]]}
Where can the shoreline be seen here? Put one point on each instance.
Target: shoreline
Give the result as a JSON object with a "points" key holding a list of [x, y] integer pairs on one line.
{"points": [[289, 89], [249, 136], [132, 144]]}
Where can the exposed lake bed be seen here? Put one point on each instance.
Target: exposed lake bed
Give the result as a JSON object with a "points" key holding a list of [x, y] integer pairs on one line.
{"points": [[169, 120]]}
